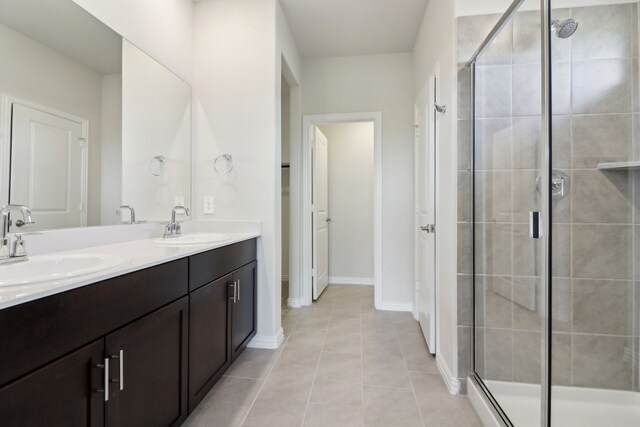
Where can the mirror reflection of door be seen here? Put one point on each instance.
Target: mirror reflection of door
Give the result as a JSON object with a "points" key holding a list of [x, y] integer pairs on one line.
{"points": [[321, 213], [48, 167]]}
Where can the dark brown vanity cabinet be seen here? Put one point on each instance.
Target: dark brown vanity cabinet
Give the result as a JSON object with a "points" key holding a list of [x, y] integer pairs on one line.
{"points": [[209, 326], [156, 340], [243, 318], [63, 393], [148, 369], [222, 313]]}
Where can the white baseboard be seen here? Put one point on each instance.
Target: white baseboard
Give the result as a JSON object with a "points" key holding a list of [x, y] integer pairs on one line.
{"points": [[390, 306], [294, 302], [364, 281], [270, 342], [452, 383]]}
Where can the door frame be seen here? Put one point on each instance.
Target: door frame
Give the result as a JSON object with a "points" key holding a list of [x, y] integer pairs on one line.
{"points": [[6, 102], [308, 122]]}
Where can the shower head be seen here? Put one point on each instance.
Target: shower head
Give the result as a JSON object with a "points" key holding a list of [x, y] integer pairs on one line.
{"points": [[564, 29]]}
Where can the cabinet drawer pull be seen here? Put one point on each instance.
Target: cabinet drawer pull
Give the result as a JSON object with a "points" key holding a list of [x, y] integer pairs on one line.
{"points": [[233, 292], [120, 358], [104, 366], [238, 285]]}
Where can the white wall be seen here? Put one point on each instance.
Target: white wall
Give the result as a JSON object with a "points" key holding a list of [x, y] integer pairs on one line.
{"points": [[156, 121], [238, 50], [351, 181], [377, 83], [162, 28], [436, 44], [36, 73], [111, 149]]}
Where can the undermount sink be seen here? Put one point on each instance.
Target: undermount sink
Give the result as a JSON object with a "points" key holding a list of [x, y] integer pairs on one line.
{"points": [[45, 268], [193, 239]]}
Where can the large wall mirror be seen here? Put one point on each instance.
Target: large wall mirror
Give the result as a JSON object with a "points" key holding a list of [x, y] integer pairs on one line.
{"points": [[88, 122]]}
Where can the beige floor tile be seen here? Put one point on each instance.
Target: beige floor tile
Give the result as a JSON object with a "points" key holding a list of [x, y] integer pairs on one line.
{"points": [[322, 415], [386, 407], [438, 407], [345, 342], [226, 405], [253, 363], [272, 410], [343, 364], [410, 326], [416, 353], [385, 371]]}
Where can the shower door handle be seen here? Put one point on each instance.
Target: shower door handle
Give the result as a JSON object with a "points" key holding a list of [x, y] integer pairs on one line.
{"points": [[534, 225]]}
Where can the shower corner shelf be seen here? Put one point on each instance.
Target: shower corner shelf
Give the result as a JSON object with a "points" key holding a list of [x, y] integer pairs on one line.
{"points": [[619, 166]]}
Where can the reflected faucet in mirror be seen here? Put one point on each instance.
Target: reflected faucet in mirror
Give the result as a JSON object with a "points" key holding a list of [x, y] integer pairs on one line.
{"points": [[17, 251], [174, 229], [132, 213]]}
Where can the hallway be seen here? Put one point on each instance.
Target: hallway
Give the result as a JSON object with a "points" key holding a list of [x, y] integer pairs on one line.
{"points": [[342, 364]]}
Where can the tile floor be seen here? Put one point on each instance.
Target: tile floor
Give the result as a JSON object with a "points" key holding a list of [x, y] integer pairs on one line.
{"points": [[343, 364]]}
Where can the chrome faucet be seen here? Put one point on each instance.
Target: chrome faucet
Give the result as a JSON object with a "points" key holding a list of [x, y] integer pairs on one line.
{"points": [[132, 217], [17, 251], [174, 229]]}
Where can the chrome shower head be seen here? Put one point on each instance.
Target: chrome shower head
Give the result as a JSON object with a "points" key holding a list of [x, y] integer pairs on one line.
{"points": [[564, 29]]}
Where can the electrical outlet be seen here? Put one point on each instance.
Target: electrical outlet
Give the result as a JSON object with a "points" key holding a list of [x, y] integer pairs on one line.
{"points": [[178, 201], [208, 205]]}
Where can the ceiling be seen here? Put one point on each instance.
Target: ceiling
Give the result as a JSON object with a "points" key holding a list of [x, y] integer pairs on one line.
{"points": [[328, 28], [66, 28]]}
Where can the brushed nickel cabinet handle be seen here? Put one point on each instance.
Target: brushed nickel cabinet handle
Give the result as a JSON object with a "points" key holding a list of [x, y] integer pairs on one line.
{"points": [[105, 366], [238, 289]]}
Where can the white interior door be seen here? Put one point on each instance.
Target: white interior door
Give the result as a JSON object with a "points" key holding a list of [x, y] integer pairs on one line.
{"points": [[321, 219], [48, 167], [425, 217]]}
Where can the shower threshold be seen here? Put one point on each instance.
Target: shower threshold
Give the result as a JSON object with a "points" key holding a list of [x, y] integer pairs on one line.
{"points": [[571, 406]]}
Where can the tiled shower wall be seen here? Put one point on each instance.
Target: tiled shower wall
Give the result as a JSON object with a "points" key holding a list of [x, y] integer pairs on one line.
{"points": [[596, 284]]}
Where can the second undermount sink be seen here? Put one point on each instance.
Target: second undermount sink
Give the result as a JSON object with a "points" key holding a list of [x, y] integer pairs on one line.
{"points": [[45, 268], [193, 239]]}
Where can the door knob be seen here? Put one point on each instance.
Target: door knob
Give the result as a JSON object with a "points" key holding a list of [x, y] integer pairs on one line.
{"points": [[425, 228]]}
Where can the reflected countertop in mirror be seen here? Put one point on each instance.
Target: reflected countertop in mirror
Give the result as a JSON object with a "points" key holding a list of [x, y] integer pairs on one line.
{"points": [[85, 117]]}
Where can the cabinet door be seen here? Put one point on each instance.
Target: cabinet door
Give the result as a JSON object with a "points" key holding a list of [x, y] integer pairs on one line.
{"points": [[63, 393], [148, 367], [243, 312], [209, 355]]}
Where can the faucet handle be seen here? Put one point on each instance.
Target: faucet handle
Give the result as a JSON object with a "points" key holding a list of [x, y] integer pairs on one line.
{"points": [[19, 247], [21, 223]]}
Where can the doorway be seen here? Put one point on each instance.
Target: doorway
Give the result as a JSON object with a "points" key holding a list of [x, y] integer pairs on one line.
{"points": [[317, 214]]}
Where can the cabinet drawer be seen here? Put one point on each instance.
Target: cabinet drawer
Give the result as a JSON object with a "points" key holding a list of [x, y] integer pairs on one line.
{"points": [[209, 266], [38, 332]]}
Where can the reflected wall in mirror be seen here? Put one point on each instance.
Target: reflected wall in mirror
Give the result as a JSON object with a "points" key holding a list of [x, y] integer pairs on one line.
{"points": [[84, 114]]}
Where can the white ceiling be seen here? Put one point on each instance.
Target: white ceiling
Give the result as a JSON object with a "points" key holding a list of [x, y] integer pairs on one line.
{"points": [[66, 28], [328, 28]]}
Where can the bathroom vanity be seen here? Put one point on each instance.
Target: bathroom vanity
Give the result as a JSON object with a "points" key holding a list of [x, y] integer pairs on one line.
{"points": [[138, 349]]}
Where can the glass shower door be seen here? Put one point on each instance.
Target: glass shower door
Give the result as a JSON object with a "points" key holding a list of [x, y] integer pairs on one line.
{"points": [[596, 221], [508, 261]]}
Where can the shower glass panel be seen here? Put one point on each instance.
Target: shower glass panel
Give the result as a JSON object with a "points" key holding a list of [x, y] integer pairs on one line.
{"points": [[507, 169], [595, 214]]}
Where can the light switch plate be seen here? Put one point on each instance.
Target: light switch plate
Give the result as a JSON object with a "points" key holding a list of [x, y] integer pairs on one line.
{"points": [[178, 201], [208, 205]]}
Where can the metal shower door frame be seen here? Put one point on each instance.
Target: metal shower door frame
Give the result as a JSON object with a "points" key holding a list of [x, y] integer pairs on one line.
{"points": [[547, 171]]}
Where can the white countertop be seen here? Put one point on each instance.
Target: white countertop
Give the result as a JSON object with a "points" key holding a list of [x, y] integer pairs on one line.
{"points": [[137, 255]]}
